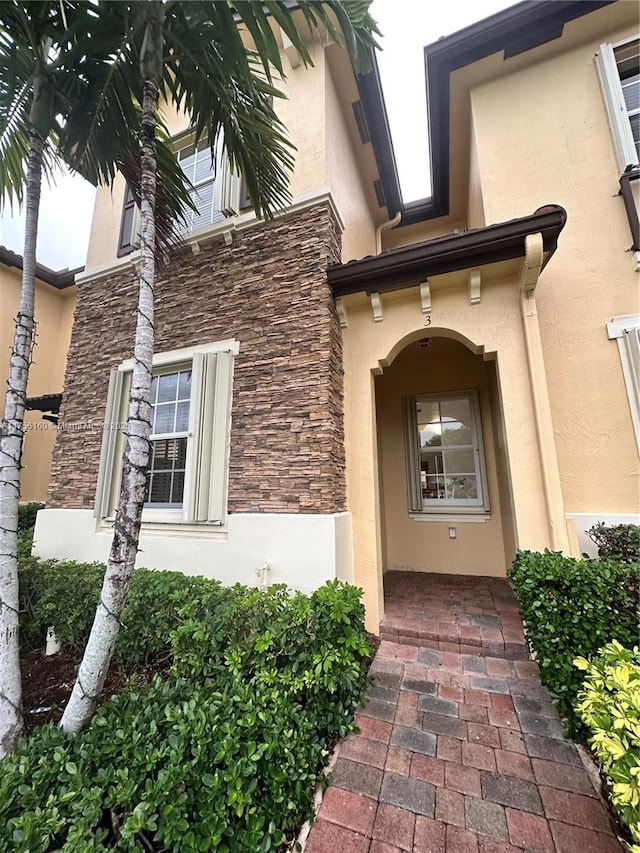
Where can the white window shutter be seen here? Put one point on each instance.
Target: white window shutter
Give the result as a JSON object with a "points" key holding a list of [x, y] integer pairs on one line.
{"points": [[221, 422], [207, 450], [112, 443], [136, 227], [631, 338], [227, 187], [196, 484], [623, 143]]}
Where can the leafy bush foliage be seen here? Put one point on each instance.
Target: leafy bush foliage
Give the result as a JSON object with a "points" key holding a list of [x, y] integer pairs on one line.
{"points": [[180, 766], [609, 705], [65, 594], [620, 542], [27, 515], [572, 608], [225, 753], [310, 648]]}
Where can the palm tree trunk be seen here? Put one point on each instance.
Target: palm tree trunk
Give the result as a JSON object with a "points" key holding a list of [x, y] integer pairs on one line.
{"points": [[120, 567], [11, 440]]}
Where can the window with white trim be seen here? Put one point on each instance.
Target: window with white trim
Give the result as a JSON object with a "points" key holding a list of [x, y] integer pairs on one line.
{"points": [[216, 191], [445, 457], [190, 423], [217, 194], [626, 331], [619, 71]]}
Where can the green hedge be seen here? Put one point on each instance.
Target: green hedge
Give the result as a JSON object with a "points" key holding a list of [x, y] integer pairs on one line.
{"points": [[609, 706], [572, 608], [65, 594], [223, 754], [27, 515], [180, 766], [620, 542]]}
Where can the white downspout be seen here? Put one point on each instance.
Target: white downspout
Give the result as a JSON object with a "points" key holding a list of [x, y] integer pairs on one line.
{"points": [[550, 471], [386, 226]]}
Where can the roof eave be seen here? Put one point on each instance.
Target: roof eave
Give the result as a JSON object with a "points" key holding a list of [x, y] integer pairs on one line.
{"points": [[408, 265], [60, 279]]}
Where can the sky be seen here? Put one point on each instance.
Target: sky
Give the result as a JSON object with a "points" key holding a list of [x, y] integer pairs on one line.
{"points": [[407, 26]]}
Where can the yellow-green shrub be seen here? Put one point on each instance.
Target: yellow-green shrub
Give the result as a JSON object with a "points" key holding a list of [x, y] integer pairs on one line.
{"points": [[609, 705]]}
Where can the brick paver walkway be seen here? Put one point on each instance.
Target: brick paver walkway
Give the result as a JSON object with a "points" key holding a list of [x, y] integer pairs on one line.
{"points": [[460, 749]]}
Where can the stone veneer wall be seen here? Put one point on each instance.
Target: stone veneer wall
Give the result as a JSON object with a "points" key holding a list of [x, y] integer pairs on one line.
{"points": [[268, 289]]}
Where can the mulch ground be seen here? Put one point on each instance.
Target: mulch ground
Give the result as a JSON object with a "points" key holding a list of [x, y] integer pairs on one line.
{"points": [[47, 682]]}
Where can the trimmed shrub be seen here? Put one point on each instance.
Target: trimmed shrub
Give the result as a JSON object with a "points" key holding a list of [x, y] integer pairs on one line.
{"points": [[572, 608], [180, 766], [27, 515], [313, 649], [65, 594], [620, 542], [609, 706], [223, 759]]}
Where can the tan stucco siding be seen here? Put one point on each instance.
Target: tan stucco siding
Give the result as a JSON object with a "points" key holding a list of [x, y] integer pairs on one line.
{"points": [[475, 204], [346, 181], [493, 329], [302, 111], [542, 137], [54, 317]]}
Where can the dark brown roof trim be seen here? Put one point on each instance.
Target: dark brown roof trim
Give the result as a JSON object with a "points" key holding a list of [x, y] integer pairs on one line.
{"points": [[60, 279], [514, 30], [372, 99], [411, 264], [44, 403]]}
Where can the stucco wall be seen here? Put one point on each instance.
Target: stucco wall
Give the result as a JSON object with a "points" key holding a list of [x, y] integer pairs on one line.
{"points": [[323, 153], [494, 328], [346, 181], [54, 316], [542, 133]]}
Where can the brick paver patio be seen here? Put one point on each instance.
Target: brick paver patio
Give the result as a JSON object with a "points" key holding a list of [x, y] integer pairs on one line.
{"points": [[460, 749]]}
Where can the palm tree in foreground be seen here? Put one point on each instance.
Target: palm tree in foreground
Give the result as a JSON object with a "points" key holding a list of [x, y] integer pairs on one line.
{"points": [[191, 54], [55, 58]]}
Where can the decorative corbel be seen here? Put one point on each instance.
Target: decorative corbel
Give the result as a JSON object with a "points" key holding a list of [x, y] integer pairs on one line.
{"points": [[425, 297], [475, 284], [532, 263], [376, 307], [342, 313], [195, 247], [228, 238]]}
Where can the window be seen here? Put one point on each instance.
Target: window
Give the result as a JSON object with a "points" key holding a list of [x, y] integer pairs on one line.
{"points": [[626, 330], [191, 412], [216, 191], [170, 398], [444, 453], [619, 72], [217, 194]]}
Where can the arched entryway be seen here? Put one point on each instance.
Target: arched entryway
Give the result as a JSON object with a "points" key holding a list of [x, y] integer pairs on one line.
{"points": [[443, 472]]}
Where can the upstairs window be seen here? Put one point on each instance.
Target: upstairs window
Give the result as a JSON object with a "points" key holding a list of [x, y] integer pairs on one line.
{"points": [[619, 71], [216, 193], [444, 453]]}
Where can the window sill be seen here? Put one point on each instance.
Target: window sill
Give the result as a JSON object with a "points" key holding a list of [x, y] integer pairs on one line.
{"points": [[173, 526], [458, 517]]}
